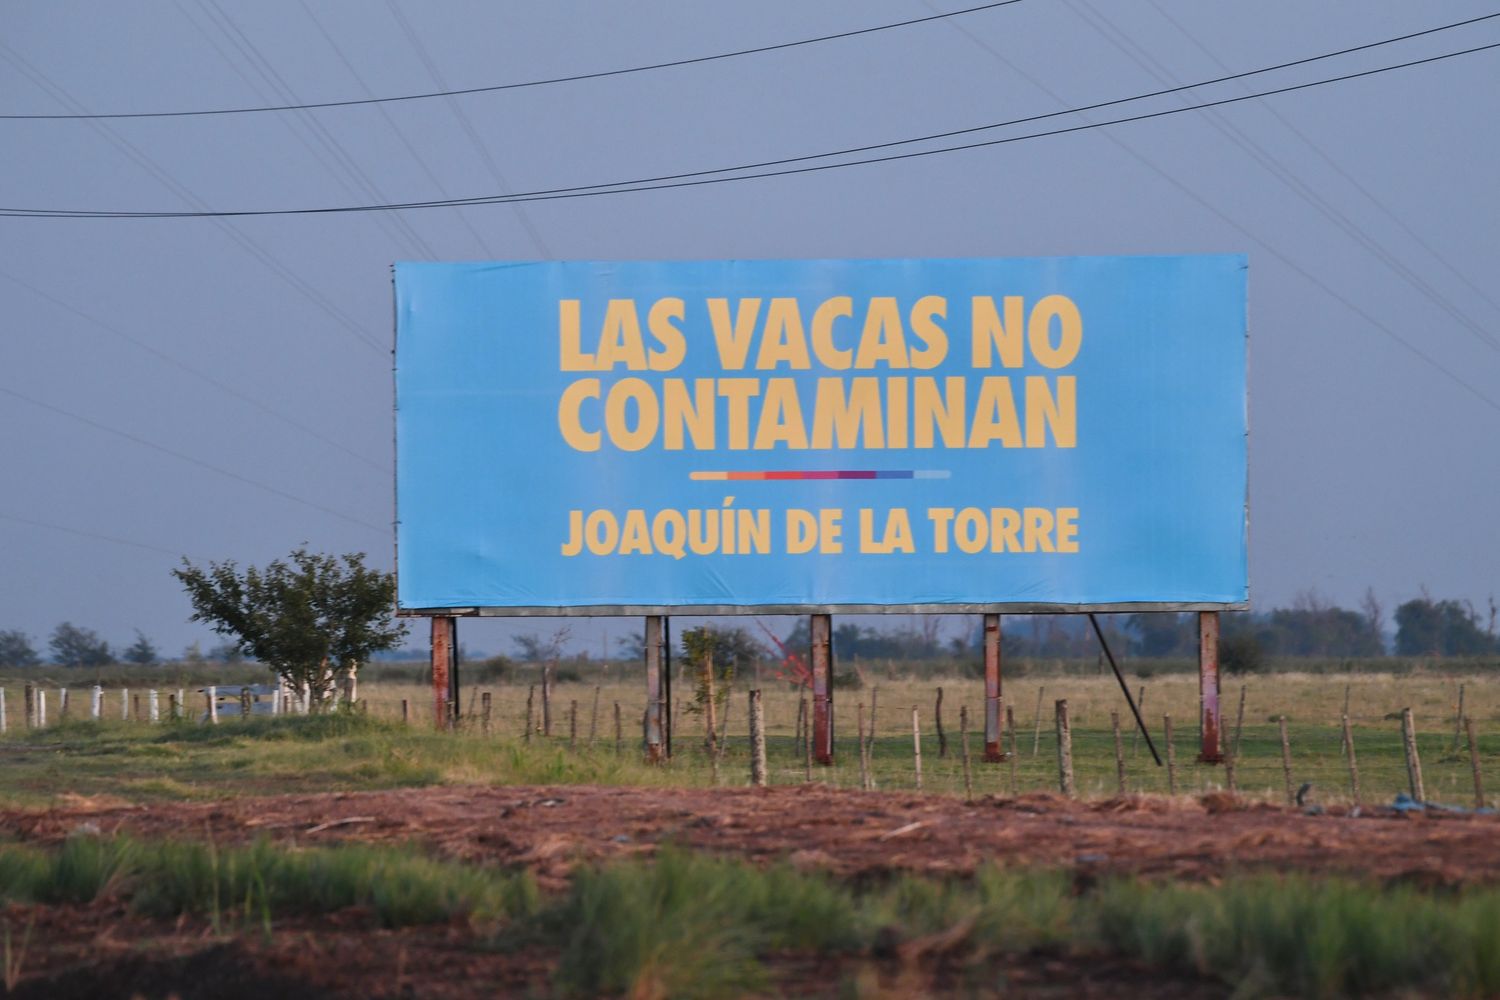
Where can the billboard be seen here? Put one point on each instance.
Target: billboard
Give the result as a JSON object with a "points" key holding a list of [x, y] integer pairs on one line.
{"points": [[643, 437]]}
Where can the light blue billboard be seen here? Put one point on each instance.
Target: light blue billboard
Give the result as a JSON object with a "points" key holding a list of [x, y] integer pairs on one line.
{"points": [[639, 437]]}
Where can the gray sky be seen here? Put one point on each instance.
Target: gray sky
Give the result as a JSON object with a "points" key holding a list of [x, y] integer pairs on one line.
{"points": [[260, 347]]}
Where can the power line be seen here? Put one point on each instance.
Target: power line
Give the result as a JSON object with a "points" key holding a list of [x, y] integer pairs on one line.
{"points": [[165, 178], [1348, 178], [1247, 144], [1268, 247], [701, 177], [342, 166], [474, 137], [206, 378], [88, 534], [180, 456], [390, 122], [575, 78]]}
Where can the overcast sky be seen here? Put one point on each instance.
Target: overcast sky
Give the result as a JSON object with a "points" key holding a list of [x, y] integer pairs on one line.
{"points": [[221, 389]]}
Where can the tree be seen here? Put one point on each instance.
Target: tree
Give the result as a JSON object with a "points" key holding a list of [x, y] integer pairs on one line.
{"points": [[1425, 627], [304, 617], [729, 647], [16, 650], [79, 647], [140, 652]]}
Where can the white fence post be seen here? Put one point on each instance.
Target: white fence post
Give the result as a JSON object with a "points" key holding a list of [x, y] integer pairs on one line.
{"points": [[153, 706], [41, 707], [96, 702], [124, 704], [2, 710]]}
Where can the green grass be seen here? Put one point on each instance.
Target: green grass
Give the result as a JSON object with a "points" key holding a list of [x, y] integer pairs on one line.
{"points": [[186, 761], [689, 925]]}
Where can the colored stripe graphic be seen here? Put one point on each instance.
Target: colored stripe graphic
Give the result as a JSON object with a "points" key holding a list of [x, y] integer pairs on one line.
{"points": [[773, 474]]}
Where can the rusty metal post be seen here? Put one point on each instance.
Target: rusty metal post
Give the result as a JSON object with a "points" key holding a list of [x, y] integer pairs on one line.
{"points": [[442, 662], [656, 701], [992, 751], [1210, 719], [822, 670]]}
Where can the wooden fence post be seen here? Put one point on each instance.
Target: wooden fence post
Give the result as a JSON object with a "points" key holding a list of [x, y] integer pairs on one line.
{"points": [[1413, 761], [405, 712], [619, 732], [757, 741], [1114, 721], [1036, 739], [28, 696], [1239, 721], [573, 724], [1010, 726], [963, 749], [530, 712], [916, 745], [1064, 750], [864, 761], [1473, 759], [1349, 756], [1458, 720], [1166, 724], [172, 707], [594, 719], [486, 708], [1286, 762], [937, 725]]}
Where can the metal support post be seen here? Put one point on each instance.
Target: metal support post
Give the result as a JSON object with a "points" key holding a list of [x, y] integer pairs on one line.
{"points": [[442, 663], [656, 696], [1210, 720], [822, 671], [992, 751]]}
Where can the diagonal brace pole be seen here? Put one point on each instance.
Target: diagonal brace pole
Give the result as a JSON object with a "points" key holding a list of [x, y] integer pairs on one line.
{"points": [[1125, 688]]}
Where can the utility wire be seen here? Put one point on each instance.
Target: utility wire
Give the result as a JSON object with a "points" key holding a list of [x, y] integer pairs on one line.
{"points": [[165, 178], [701, 177], [578, 77], [475, 140], [219, 384], [390, 121], [1270, 247], [333, 156], [1376, 202], [180, 456], [88, 534], [1115, 36]]}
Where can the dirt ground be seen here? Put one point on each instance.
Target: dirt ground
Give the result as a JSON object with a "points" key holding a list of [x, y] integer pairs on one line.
{"points": [[551, 829], [98, 951]]}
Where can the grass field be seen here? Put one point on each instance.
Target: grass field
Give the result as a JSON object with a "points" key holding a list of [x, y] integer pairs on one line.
{"points": [[142, 762], [690, 924]]}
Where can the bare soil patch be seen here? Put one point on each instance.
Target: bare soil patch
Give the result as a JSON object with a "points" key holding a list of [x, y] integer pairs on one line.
{"points": [[853, 834]]}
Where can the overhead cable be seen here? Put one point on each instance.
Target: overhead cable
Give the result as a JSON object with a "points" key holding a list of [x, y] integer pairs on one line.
{"points": [[704, 177], [575, 78]]}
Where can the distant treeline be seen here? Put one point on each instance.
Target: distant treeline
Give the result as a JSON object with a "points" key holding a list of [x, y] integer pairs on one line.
{"points": [[1310, 629]]}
